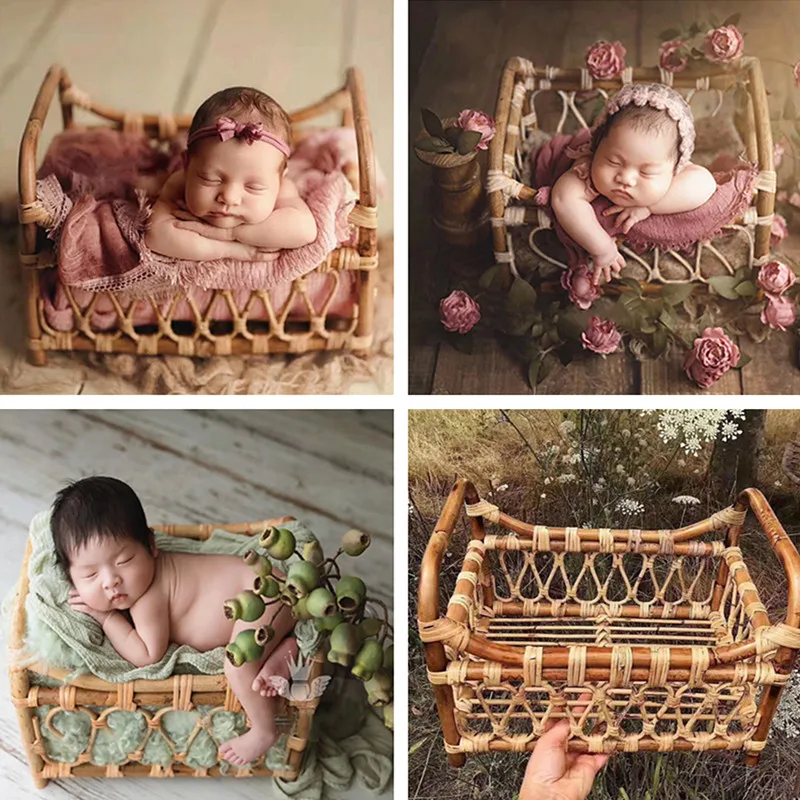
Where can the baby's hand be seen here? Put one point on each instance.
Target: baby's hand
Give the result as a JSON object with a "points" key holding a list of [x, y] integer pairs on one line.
{"points": [[628, 217], [606, 264], [191, 223], [78, 605]]}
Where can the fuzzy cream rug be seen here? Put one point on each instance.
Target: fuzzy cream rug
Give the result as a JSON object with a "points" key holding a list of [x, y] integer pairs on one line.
{"points": [[79, 373]]}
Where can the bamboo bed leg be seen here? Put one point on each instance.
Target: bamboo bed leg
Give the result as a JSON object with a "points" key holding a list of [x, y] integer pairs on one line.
{"points": [[731, 540]]}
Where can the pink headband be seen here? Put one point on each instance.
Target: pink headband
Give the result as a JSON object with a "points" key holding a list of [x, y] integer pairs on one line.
{"points": [[227, 128], [661, 97]]}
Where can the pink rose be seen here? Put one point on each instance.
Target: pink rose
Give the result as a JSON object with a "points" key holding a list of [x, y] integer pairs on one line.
{"points": [[605, 59], [578, 282], [601, 336], [477, 121], [778, 313], [724, 44], [775, 278], [778, 231], [459, 312], [794, 199], [711, 357], [796, 73], [782, 196], [777, 153], [668, 57]]}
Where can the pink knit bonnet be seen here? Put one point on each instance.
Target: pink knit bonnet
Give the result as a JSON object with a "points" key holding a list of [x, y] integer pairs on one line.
{"points": [[663, 98]]}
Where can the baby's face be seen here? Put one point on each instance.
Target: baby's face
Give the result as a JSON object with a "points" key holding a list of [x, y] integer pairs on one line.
{"points": [[233, 183], [634, 168], [112, 574]]}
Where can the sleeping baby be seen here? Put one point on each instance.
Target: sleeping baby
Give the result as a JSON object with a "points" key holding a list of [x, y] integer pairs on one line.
{"points": [[232, 199], [144, 599], [638, 158]]}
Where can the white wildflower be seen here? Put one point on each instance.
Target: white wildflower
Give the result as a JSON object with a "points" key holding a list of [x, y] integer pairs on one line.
{"points": [[778, 484], [692, 428], [566, 427], [598, 487], [543, 495], [625, 433], [686, 500], [503, 487], [620, 469], [631, 481], [548, 481], [630, 507], [567, 477], [681, 462]]}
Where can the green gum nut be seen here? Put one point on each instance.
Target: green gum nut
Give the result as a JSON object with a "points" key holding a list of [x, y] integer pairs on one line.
{"points": [[302, 578], [312, 551], [368, 660], [379, 689], [289, 598], [370, 626], [350, 593], [329, 623], [244, 648], [247, 606], [388, 716], [264, 635], [300, 609], [266, 586], [321, 603], [388, 657], [355, 542], [345, 642], [278, 542], [260, 564]]}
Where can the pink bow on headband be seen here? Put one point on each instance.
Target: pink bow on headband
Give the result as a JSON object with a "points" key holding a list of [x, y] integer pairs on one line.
{"points": [[227, 128]]}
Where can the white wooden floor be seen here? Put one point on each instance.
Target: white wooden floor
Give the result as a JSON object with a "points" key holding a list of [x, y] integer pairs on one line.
{"points": [[332, 469], [169, 55]]}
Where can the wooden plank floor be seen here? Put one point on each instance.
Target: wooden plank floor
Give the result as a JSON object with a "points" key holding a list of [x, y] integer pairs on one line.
{"points": [[457, 53], [332, 469], [168, 55]]}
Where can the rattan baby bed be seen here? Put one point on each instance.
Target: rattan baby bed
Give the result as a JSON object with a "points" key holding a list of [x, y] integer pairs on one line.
{"points": [[511, 202], [98, 698], [199, 337], [643, 640]]}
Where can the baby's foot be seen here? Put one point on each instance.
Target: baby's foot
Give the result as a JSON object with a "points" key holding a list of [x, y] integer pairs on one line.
{"points": [[277, 664], [248, 747]]}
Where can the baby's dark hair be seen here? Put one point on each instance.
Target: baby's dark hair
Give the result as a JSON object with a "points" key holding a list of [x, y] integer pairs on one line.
{"points": [[96, 507], [244, 104], [641, 118]]}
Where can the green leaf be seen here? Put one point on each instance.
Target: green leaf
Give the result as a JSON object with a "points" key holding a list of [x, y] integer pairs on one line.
{"points": [[433, 144], [432, 123], [468, 141], [743, 273], [537, 330], [669, 319], [697, 53], [694, 29], [571, 324], [660, 339], [463, 342], [548, 363], [744, 360], [492, 275], [533, 371], [733, 19], [416, 746], [521, 297], [669, 34], [632, 284], [674, 294], [452, 133], [746, 289], [725, 285], [714, 21], [565, 355]]}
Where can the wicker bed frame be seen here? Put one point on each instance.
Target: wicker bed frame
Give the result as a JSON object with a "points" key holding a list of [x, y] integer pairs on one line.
{"points": [[198, 337], [98, 698], [511, 201], [642, 640]]}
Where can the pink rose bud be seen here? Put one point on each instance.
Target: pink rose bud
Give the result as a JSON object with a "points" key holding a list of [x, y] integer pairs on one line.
{"points": [[711, 357], [601, 336], [796, 73], [477, 121], [775, 278], [794, 199], [605, 60], [778, 313], [578, 282], [668, 58], [779, 231], [459, 312], [782, 196], [724, 44], [777, 154]]}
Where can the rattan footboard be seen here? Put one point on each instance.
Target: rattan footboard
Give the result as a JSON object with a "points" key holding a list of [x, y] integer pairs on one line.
{"points": [[199, 337], [97, 698], [643, 640]]}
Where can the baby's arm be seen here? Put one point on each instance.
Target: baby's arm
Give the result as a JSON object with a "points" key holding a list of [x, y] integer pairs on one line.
{"points": [[690, 188], [147, 642], [291, 224], [165, 237], [572, 206]]}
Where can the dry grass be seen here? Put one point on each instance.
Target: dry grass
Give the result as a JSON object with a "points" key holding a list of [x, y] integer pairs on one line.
{"points": [[480, 446]]}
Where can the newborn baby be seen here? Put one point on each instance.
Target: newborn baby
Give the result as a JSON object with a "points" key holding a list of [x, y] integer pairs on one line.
{"points": [[144, 599], [232, 199], [638, 158]]}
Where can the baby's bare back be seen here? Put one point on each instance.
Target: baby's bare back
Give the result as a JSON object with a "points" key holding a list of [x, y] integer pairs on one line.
{"points": [[197, 586]]}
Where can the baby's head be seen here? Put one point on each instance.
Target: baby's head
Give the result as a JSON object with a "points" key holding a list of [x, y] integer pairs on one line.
{"points": [[103, 542], [643, 138], [238, 144]]}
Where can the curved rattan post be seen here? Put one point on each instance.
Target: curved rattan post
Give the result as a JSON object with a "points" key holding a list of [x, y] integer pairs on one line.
{"points": [[428, 611]]}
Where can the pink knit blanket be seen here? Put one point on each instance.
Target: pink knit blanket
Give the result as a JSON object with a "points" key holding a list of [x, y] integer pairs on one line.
{"points": [[90, 183], [735, 186]]}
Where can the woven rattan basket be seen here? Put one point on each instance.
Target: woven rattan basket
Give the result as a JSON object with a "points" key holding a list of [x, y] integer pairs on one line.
{"points": [[152, 699], [201, 336], [511, 202], [642, 640]]}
